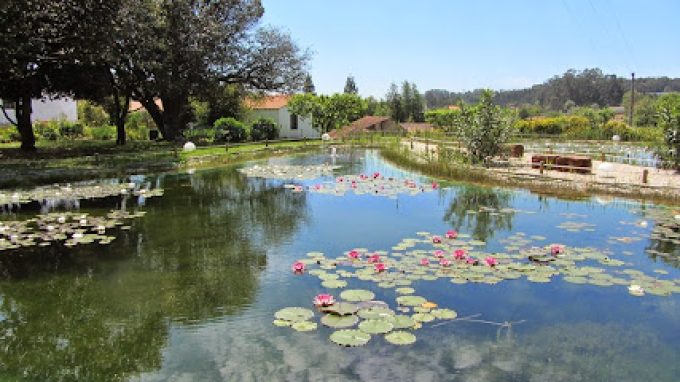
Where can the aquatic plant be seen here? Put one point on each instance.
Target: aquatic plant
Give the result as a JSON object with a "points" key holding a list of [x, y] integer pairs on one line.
{"points": [[324, 300]]}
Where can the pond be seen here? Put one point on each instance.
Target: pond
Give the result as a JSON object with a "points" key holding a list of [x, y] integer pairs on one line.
{"points": [[189, 291]]}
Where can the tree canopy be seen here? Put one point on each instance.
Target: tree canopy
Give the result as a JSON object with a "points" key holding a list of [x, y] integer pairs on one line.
{"points": [[328, 112]]}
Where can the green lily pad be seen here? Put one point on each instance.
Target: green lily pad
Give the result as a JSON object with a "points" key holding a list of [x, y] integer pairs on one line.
{"points": [[411, 300], [281, 323], [304, 326], [405, 290], [333, 284], [339, 322], [375, 326], [423, 317], [401, 321], [400, 338], [357, 295], [350, 337], [294, 314], [341, 308], [375, 312], [444, 314]]}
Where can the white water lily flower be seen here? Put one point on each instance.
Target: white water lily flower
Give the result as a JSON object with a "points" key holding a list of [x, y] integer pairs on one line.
{"points": [[61, 219]]}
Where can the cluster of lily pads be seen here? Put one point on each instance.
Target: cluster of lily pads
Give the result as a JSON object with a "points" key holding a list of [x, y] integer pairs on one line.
{"points": [[77, 192], [70, 228], [286, 172], [374, 184], [370, 317]]}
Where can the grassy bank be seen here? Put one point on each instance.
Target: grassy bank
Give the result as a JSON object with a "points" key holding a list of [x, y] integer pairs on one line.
{"points": [[69, 161]]}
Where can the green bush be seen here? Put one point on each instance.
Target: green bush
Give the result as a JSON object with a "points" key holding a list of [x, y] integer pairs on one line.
{"points": [[138, 125], [46, 130], [101, 133], [264, 128], [70, 130], [230, 130], [9, 134], [200, 136], [92, 115]]}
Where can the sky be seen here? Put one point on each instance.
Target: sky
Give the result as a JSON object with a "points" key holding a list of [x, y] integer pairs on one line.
{"points": [[461, 45]]}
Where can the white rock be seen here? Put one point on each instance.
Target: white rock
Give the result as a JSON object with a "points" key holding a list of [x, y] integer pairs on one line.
{"points": [[325, 137], [616, 138]]}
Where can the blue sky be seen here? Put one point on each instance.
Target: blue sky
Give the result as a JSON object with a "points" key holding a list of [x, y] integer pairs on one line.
{"points": [[461, 45]]}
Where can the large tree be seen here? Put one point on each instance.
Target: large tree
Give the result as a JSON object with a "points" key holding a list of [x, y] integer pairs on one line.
{"points": [[189, 44], [46, 47], [328, 112], [351, 86]]}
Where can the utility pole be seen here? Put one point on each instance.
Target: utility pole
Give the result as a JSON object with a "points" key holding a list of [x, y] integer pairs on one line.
{"points": [[632, 100]]}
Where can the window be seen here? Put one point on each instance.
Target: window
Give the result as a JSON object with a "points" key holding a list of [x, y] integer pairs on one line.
{"points": [[8, 104], [293, 121]]}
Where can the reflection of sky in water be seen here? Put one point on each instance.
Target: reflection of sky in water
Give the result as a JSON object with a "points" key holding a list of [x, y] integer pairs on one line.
{"points": [[191, 239]]}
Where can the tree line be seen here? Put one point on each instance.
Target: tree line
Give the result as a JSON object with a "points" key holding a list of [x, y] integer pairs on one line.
{"points": [[113, 51], [573, 88]]}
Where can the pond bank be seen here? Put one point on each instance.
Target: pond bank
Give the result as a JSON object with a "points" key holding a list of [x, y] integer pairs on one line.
{"points": [[663, 186]]}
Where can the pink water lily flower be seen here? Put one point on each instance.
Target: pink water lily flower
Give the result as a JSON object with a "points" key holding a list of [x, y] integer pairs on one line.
{"points": [[379, 267], [353, 254], [439, 253], [363, 177], [298, 267], [491, 261], [354, 184], [472, 261], [556, 249], [374, 258], [324, 300], [459, 254], [444, 262], [435, 185], [317, 186], [451, 234], [339, 179], [376, 175], [424, 261], [436, 239]]}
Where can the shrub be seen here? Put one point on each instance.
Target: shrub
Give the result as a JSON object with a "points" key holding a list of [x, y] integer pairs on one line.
{"points": [[264, 128], [46, 130], [230, 130], [101, 133], [138, 125], [92, 115], [70, 130], [9, 134], [200, 136]]}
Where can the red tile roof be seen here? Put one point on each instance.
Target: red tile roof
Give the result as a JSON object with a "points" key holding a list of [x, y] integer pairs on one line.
{"points": [[362, 124], [268, 102], [136, 105]]}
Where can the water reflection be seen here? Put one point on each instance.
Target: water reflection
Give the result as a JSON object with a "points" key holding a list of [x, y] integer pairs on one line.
{"points": [[104, 313], [464, 211]]}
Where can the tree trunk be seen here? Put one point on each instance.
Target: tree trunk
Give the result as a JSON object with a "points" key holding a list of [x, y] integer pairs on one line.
{"points": [[156, 114], [24, 125], [121, 112], [175, 115]]}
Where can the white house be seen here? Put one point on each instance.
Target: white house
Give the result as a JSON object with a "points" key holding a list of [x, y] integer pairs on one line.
{"points": [[45, 109], [275, 107]]}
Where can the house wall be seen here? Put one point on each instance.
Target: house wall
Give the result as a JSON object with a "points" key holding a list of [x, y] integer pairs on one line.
{"points": [[48, 110], [282, 118]]}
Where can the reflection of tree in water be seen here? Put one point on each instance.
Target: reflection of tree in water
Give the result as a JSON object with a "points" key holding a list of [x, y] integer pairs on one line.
{"points": [[94, 313], [482, 224], [664, 249]]}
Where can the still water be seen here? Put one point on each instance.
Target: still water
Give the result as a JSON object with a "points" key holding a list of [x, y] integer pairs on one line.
{"points": [[189, 292]]}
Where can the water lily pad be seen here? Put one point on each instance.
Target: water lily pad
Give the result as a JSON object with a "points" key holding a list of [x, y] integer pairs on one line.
{"points": [[357, 295], [350, 337], [339, 322], [411, 300], [375, 312], [375, 326], [281, 323], [405, 290], [341, 308], [401, 321], [304, 326], [444, 314], [294, 314], [333, 284], [423, 317], [400, 338]]}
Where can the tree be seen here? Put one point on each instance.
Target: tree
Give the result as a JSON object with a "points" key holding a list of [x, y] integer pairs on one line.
{"points": [[483, 128], [184, 46], [669, 121], [46, 45], [328, 112], [394, 102], [308, 86], [351, 86]]}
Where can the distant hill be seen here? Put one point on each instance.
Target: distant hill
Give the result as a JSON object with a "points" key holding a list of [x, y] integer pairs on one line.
{"points": [[584, 88]]}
